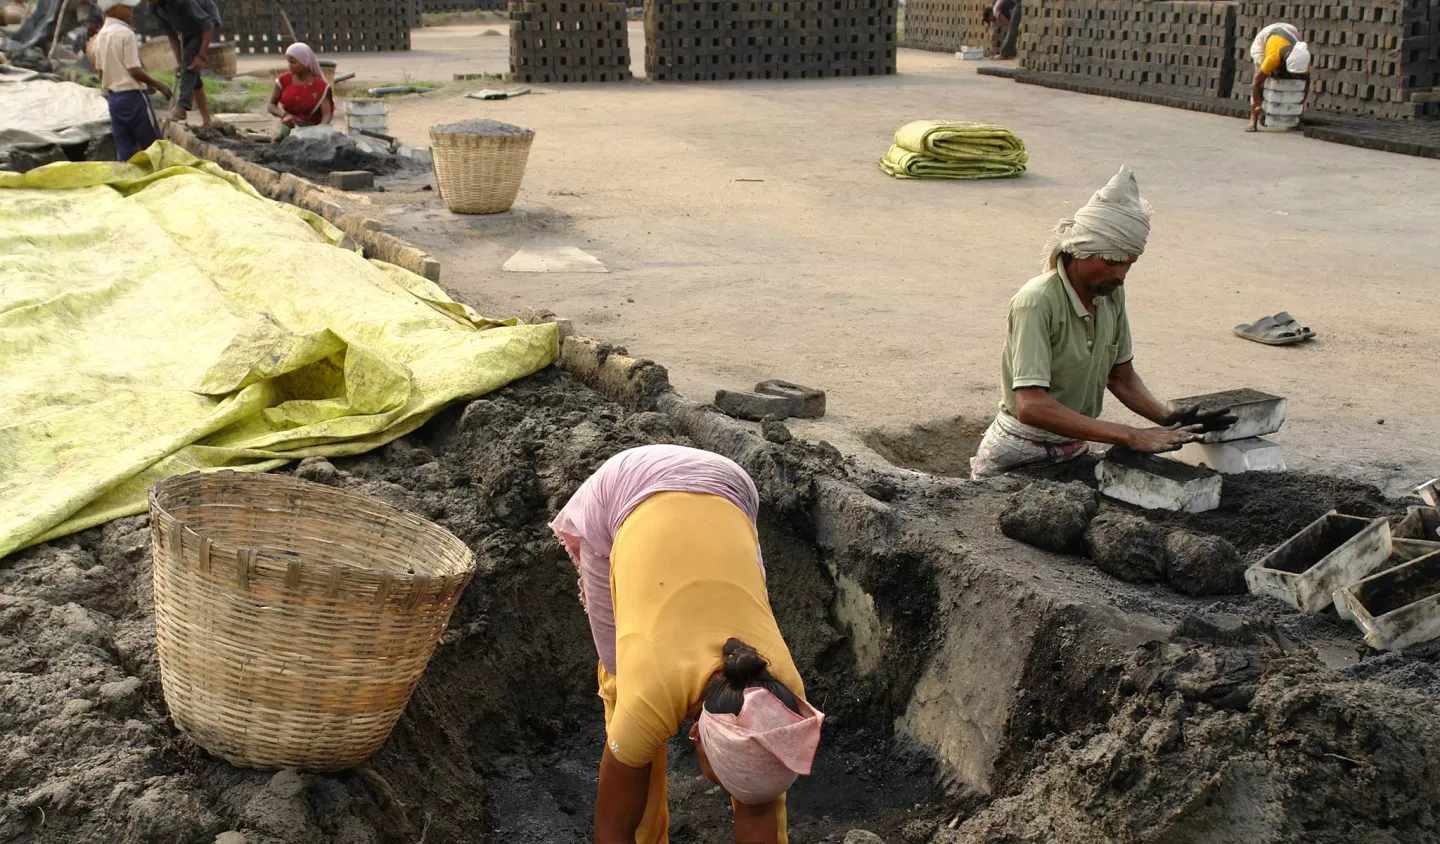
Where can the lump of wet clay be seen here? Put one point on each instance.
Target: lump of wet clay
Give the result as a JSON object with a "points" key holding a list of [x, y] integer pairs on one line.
{"points": [[318, 470], [1203, 564], [1127, 547], [1050, 515]]}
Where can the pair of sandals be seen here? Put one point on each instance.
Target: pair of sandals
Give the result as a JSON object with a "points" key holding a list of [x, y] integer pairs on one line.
{"points": [[1278, 330]]}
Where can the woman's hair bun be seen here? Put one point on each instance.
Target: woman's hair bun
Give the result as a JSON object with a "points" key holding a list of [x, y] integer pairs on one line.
{"points": [[743, 664]]}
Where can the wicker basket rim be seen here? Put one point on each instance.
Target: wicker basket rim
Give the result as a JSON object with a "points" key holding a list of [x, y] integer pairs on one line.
{"points": [[471, 137], [274, 564]]}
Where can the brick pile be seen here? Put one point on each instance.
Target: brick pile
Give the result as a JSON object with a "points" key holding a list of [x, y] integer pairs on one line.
{"points": [[328, 26], [569, 41], [1172, 44], [435, 6], [948, 25], [689, 40], [1372, 58]]}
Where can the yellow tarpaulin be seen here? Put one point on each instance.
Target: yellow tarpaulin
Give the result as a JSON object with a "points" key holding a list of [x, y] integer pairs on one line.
{"points": [[159, 317]]}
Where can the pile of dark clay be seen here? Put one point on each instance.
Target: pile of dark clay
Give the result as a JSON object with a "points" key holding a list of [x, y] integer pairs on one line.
{"points": [[1066, 518], [1227, 729], [1194, 553], [313, 158], [501, 739], [1224, 734], [481, 126]]}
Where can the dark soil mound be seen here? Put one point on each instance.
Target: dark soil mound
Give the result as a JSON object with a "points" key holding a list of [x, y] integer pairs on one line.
{"points": [[1211, 744], [501, 738], [314, 159]]}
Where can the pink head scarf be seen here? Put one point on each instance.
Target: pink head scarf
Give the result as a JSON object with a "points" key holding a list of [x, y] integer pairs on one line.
{"points": [[302, 53], [757, 754], [587, 524]]}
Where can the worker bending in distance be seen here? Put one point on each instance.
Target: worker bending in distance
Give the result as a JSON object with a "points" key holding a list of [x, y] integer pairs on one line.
{"points": [[1068, 341], [673, 582], [1277, 51], [1004, 18]]}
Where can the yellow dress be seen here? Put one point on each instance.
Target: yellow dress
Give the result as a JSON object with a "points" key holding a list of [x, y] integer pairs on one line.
{"points": [[684, 576]]}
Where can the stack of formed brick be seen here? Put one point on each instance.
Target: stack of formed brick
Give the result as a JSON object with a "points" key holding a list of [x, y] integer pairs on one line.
{"points": [[434, 6], [1371, 58], [947, 24], [1183, 45], [569, 41], [328, 26], [701, 40]]}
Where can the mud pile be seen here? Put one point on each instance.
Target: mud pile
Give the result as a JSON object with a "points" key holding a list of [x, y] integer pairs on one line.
{"points": [[313, 158], [1258, 510], [501, 739], [1226, 728], [1219, 743]]}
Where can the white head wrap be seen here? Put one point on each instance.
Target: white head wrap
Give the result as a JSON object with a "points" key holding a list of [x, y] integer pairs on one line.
{"points": [[107, 5], [1114, 224], [1299, 59]]}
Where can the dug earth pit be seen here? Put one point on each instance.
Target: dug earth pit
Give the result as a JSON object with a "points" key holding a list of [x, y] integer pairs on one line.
{"points": [[964, 674]]}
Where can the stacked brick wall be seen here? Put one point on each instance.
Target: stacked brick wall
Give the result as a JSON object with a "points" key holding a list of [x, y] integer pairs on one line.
{"points": [[1371, 57], [433, 6], [1182, 45], [328, 26], [689, 40], [947, 24], [569, 41]]}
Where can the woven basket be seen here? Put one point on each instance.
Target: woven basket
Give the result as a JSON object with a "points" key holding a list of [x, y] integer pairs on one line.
{"points": [[479, 174], [293, 620], [222, 60], [156, 54]]}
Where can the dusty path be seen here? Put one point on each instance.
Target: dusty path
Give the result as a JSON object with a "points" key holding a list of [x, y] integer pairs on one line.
{"points": [[891, 295]]}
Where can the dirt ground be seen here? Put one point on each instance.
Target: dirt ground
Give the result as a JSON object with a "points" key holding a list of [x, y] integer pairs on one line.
{"points": [[1229, 728], [749, 235]]}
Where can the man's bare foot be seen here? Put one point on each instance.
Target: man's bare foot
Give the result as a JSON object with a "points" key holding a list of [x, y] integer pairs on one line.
{"points": [[1251, 128]]}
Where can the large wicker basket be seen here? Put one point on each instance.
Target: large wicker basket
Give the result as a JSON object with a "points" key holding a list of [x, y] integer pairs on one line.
{"points": [[479, 174], [293, 620]]}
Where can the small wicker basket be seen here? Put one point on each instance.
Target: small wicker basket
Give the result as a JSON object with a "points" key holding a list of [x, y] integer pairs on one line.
{"points": [[157, 55], [222, 60], [479, 174], [293, 620]]}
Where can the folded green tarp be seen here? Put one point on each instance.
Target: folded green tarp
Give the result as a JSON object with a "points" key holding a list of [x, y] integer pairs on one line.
{"points": [[160, 317], [935, 149]]}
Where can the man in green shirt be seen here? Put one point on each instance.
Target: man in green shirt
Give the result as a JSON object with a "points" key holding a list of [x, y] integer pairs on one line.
{"points": [[1068, 341]]}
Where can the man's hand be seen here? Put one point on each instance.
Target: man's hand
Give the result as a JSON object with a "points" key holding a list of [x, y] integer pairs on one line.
{"points": [[1214, 419], [165, 92], [1157, 440], [198, 63]]}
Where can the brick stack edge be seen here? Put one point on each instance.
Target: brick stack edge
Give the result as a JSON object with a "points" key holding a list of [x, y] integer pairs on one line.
{"points": [[1172, 44], [689, 41], [1373, 57], [569, 41], [329, 26], [432, 6]]}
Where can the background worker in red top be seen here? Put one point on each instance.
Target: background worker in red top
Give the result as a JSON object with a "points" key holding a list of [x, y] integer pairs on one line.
{"points": [[302, 97]]}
